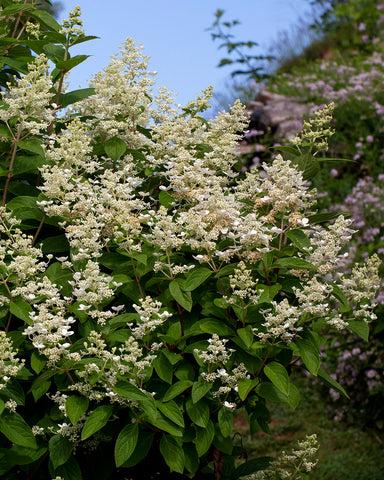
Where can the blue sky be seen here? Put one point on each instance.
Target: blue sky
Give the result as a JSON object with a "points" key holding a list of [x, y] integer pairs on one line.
{"points": [[175, 37]]}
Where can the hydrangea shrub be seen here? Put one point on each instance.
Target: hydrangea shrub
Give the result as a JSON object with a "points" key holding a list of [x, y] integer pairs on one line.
{"points": [[149, 290]]}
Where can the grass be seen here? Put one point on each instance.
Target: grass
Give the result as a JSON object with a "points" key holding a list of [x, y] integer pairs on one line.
{"points": [[346, 452]]}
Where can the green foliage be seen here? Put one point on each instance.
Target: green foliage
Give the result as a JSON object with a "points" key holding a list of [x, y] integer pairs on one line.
{"points": [[149, 291]]}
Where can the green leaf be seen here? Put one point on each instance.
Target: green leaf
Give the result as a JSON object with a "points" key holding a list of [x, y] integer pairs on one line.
{"points": [[270, 392], [308, 165], [60, 449], [27, 163], [21, 310], [299, 238], [166, 199], [269, 292], [172, 453], [115, 148], [196, 278], [213, 325], [204, 438], [2, 406], [75, 407], [181, 297], [71, 62], [360, 327], [225, 420], [13, 9], [176, 389], [33, 146], [45, 19], [41, 390], [163, 368], [331, 382], [199, 389], [245, 385], [37, 362], [293, 262], [70, 470], [309, 352], [246, 335], [56, 244], [13, 426], [142, 448], [97, 419], [191, 458], [252, 466], [327, 216], [145, 399], [198, 412], [278, 375], [171, 411], [163, 423], [126, 443], [75, 96]]}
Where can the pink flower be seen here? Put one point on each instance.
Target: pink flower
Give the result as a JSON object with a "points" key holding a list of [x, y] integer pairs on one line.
{"points": [[362, 27], [369, 139]]}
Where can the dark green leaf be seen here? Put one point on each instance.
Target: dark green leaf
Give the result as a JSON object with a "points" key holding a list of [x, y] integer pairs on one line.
{"points": [[166, 199], [299, 238], [252, 466], [196, 278], [225, 419], [163, 423], [126, 443], [331, 382], [245, 385], [163, 368], [75, 96], [46, 19], [204, 438], [67, 65], [32, 145], [198, 412], [176, 389], [278, 375], [75, 407], [172, 453], [97, 419], [360, 327], [309, 352], [213, 325], [326, 216], [199, 389], [171, 411], [60, 449], [70, 470], [293, 262], [181, 297], [142, 448], [21, 310], [13, 426]]}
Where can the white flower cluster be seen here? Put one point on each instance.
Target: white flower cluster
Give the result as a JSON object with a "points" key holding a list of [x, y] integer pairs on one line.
{"points": [[216, 351], [291, 465], [10, 364], [280, 323], [150, 317], [243, 286], [29, 99]]}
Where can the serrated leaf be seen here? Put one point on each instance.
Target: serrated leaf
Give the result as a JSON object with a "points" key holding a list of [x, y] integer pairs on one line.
{"points": [[176, 389], [182, 298], [163, 368], [196, 278], [172, 453], [32, 145], [331, 382], [115, 148], [198, 412], [252, 466], [67, 65], [360, 327], [225, 420], [299, 238], [204, 438], [172, 411], [245, 385], [293, 262], [278, 375], [14, 427], [96, 421], [199, 389], [75, 96], [75, 407], [60, 449], [21, 310], [126, 443]]}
